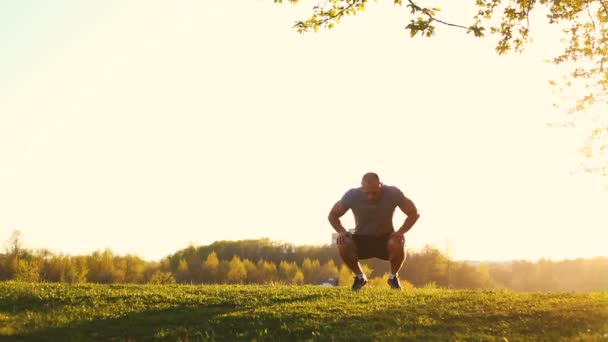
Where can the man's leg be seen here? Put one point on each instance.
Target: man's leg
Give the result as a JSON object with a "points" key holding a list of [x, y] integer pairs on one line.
{"points": [[348, 252], [396, 254]]}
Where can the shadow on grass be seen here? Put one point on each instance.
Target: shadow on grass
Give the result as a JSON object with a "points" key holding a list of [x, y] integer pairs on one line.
{"points": [[26, 301], [217, 321], [275, 318]]}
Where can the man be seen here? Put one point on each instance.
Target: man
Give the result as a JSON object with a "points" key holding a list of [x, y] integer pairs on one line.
{"points": [[373, 205]]}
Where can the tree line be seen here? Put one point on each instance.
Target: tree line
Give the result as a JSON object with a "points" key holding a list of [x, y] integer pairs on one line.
{"points": [[264, 261]]}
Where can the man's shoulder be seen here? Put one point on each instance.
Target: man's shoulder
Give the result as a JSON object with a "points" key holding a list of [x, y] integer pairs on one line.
{"points": [[351, 194], [394, 191], [353, 191], [392, 188]]}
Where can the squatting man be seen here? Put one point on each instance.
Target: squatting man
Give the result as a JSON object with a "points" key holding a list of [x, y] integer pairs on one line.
{"points": [[373, 205]]}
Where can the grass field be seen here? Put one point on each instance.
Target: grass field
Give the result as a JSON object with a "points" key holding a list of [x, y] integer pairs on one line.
{"points": [[59, 312]]}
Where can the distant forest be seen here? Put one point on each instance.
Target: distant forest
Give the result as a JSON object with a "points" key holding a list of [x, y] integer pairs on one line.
{"points": [[264, 261]]}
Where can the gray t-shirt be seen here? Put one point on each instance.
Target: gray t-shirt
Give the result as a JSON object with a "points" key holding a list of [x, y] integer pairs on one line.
{"points": [[373, 218]]}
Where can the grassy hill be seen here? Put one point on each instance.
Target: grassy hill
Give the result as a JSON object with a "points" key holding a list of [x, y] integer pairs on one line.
{"points": [[59, 312]]}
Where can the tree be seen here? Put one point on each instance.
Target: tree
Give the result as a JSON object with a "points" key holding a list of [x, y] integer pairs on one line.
{"points": [[119, 272], [267, 270], [56, 268], [101, 267], [237, 272], [194, 261], [211, 268], [525, 276], [310, 269], [27, 270], [160, 277], [78, 270], [430, 265], [287, 271], [253, 276], [182, 274], [298, 278], [469, 277], [547, 276], [222, 272], [345, 276], [134, 269], [327, 271], [583, 25], [14, 245]]}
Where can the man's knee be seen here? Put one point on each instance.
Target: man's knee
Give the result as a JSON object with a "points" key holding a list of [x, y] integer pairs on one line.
{"points": [[348, 248], [395, 246]]}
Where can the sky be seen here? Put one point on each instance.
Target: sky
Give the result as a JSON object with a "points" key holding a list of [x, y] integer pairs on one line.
{"points": [[145, 126]]}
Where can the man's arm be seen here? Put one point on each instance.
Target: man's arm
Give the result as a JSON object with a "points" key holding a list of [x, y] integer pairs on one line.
{"points": [[337, 211], [409, 209]]}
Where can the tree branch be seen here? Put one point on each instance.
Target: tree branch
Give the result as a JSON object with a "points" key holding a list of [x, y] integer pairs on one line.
{"points": [[528, 14], [590, 16], [448, 24], [328, 17], [604, 5], [418, 8]]}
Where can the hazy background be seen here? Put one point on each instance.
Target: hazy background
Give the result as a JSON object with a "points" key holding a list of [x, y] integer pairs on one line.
{"points": [[145, 126]]}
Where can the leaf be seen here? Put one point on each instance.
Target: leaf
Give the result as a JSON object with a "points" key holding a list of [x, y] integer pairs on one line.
{"points": [[477, 31]]}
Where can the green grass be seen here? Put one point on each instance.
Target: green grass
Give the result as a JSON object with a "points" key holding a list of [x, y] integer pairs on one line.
{"points": [[59, 312]]}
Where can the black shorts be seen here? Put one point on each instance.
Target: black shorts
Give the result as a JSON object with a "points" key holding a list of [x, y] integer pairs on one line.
{"points": [[372, 246]]}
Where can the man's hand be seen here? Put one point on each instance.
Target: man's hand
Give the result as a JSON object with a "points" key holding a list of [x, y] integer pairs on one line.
{"points": [[342, 238], [334, 219], [398, 238], [409, 209]]}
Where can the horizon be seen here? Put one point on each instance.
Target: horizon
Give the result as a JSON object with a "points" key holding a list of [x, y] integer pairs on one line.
{"points": [[151, 127], [414, 249]]}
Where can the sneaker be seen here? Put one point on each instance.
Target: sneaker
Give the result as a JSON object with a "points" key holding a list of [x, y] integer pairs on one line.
{"points": [[358, 283], [394, 283]]}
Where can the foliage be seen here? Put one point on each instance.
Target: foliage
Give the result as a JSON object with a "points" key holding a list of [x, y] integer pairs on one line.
{"points": [[237, 272], [583, 25], [428, 265], [160, 278]]}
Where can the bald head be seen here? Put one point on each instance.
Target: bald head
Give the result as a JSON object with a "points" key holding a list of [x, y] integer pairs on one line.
{"points": [[371, 186], [370, 177]]}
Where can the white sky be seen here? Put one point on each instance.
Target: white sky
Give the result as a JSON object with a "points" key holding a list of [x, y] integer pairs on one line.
{"points": [[144, 126]]}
